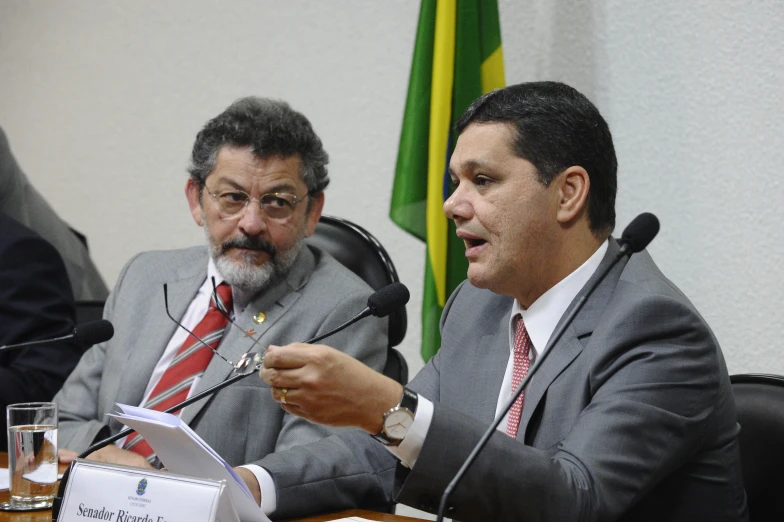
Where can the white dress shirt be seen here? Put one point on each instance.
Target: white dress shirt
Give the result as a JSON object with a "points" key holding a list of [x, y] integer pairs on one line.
{"points": [[540, 321]]}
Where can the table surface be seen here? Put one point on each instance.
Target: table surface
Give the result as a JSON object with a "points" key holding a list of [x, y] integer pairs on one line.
{"points": [[46, 515]]}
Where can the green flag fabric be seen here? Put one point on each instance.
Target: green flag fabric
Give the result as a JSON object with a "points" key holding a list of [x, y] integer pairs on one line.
{"points": [[457, 58]]}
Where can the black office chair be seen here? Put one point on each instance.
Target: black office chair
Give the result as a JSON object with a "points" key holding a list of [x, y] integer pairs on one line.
{"points": [[760, 403], [360, 252]]}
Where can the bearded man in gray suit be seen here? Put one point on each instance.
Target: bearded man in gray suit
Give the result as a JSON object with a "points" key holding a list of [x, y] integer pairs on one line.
{"points": [[629, 417], [256, 186]]}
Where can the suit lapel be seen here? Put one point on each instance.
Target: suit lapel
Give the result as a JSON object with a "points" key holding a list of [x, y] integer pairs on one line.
{"points": [[480, 392], [569, 346], [274, 302], [159, 329]]}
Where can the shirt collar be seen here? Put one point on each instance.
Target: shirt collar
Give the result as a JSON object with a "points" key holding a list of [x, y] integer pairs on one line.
{"points": [[212, 271], [543, 315], [207, 288]]}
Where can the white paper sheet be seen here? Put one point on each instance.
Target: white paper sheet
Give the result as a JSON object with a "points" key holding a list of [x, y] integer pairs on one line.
{"points": [[5, 479], [183, 452]]}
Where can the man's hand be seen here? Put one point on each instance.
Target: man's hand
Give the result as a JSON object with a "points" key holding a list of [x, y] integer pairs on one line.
{"points": [[66, 456], [114, 455], [326, 386], [250, 480]]}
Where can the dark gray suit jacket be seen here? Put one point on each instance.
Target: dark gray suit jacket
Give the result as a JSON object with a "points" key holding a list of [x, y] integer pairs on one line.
{"points": [[241, 422], [631, 417]]}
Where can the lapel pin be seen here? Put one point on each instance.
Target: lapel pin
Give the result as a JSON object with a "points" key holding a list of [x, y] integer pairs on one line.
{"points": [[259, 318]]}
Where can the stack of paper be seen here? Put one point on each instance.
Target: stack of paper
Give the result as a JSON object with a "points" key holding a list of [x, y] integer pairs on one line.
{"points": [[185, 453]]}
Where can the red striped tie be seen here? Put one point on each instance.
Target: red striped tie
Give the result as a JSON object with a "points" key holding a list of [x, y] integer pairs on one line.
{"points": [[522, 347], [190, 362]]}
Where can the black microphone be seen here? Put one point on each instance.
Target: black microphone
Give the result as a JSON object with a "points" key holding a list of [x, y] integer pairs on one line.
{"points": [[388, 299], [84, 335], [640, 232], [636, 236], [94, 332], [380, 304]]}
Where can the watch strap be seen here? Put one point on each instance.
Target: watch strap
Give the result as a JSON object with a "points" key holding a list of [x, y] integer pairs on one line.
{"points": [[409, 401]]}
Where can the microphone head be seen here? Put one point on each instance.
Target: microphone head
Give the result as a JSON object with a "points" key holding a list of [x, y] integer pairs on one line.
{"points": [[94, 332], [386, 300], [640, 232]]}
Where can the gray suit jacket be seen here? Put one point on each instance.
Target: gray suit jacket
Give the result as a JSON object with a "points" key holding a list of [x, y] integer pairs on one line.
{"points": [[241, 422], [20, 200], [631, 417]]}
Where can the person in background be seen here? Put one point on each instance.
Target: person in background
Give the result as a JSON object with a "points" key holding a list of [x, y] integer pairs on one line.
{"points": [[21, 201], [35, 304]]}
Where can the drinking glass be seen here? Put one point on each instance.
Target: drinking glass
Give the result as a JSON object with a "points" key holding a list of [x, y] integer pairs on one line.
{"points": [[32, 454]]}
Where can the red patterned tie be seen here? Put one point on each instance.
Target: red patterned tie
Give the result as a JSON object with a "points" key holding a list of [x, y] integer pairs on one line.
{"points": [[522, 346], [190, 362]]}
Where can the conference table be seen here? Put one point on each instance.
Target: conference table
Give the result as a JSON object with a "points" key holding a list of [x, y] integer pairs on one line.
{"points": [[46, 515]]}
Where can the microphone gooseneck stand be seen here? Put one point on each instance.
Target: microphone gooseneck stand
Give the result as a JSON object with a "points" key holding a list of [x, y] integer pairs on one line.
{"points": [[84, 335]]}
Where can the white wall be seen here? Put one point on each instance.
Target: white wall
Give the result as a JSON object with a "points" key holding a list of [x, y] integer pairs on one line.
{"points": [[102, 100]]}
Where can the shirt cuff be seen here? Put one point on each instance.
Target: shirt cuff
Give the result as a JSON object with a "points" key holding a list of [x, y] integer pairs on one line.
{"points": [[409, 449], [269, 496]]}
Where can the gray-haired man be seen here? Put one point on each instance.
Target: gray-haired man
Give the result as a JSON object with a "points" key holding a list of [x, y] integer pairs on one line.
{"points": [[256, 186]]}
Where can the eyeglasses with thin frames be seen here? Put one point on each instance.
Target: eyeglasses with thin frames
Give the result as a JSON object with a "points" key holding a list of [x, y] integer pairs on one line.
{"points": [[275, 205], [244, 364]]}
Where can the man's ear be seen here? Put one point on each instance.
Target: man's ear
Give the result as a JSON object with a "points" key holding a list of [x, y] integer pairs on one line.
{"points": [[193, 193], [573, 187], [314, 214]]}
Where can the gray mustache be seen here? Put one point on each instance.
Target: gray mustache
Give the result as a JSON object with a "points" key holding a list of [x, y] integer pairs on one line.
{"points": [[250, 244]]}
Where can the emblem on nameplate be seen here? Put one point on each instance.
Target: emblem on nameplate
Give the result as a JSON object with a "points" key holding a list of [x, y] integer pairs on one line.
{"points": [[141, 487]]}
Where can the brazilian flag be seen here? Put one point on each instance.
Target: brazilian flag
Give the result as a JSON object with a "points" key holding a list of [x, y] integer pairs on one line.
{"points": [[457, 58]]}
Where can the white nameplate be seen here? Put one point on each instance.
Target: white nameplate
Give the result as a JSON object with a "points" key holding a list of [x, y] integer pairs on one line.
{"points": [[99, 491]]}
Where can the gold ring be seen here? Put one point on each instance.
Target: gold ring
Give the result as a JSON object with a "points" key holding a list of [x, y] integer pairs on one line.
{"points": [[283, 392]]}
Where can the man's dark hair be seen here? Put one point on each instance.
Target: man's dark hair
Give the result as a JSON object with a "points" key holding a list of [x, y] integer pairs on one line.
{"points": [[270, 128], [556, 127]]}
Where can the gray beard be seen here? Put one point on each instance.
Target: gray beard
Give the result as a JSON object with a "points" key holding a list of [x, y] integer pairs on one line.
{"points": [[248, 278]]}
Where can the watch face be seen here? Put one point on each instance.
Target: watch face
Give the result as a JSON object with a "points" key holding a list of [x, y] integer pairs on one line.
{"points": [[397, 423]]}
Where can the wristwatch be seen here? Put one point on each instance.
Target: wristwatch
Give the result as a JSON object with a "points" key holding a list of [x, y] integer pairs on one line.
{"points": [[398, 419]]}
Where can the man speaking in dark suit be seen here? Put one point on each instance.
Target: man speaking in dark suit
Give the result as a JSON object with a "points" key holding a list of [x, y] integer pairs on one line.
{"points": [[256, 186], [629, 417], [35, 303]]}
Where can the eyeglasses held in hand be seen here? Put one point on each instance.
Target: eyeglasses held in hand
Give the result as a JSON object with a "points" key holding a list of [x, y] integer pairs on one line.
{"points": [[244, 364]]}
